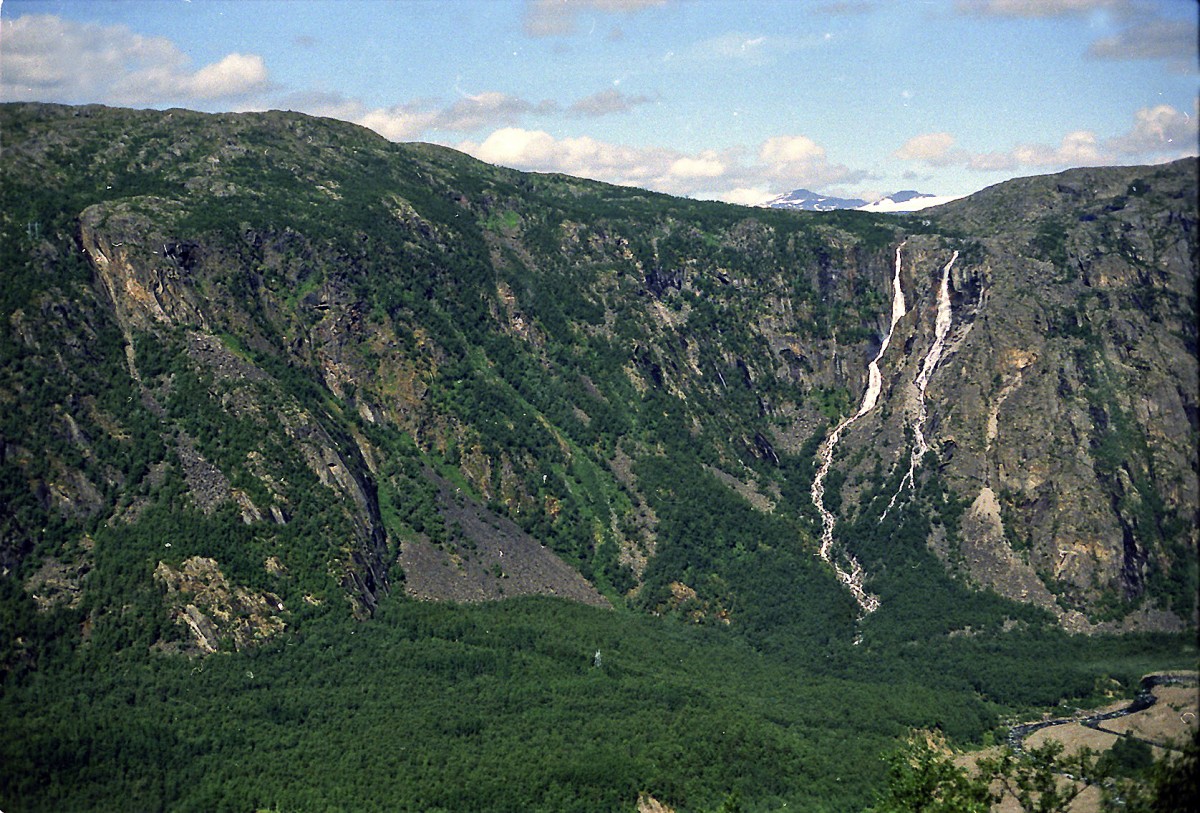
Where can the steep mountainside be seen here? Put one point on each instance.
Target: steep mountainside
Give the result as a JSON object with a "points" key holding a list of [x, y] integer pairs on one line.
{"points": [[257, 365]]}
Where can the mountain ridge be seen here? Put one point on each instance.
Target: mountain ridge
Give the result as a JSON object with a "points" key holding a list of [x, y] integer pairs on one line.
{"points": [[310, 321]]}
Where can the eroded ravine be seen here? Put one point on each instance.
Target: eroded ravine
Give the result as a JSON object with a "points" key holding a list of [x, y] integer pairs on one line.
{"points": [[852, 575]]}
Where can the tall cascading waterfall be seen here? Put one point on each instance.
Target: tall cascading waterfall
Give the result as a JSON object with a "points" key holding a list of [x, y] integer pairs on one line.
{"points": [[853, 576], [941, 330]]}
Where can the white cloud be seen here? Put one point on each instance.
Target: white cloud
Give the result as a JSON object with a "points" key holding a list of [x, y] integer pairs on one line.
{"points": [[47, 58], [783, 162], [514, 147], [788, 162], [581, 156], [1158, 133], [790, 150], [702, 167], [1077, 149], [398, 123], [935, 149], [557, 18], [746, 196], [1159, 130], [1080, 148], [236, 73]]}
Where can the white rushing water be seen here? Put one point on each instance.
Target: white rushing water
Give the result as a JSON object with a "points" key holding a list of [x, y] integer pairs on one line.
{"points": [[941, 330], [853, 576]]}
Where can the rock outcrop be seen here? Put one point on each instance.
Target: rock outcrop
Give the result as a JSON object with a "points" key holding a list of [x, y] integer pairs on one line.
{"points": [[216, 614]]}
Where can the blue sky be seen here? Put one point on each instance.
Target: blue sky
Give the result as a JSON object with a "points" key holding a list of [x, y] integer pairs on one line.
{"points": [[730, 99]]}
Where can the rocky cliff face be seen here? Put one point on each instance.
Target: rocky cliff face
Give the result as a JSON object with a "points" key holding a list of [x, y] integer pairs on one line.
{"points": [[155, 283], [1071, 352], [269, 338]]}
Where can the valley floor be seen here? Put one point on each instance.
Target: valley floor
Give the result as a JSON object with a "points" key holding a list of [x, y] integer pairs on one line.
{"points": [[1165, 726]]}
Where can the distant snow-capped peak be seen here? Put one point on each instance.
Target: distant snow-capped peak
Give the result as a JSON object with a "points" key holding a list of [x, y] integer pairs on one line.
{"points": [[809, 201], [908, 200]]}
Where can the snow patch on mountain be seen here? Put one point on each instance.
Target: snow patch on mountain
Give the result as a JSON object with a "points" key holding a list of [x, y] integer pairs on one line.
{"points": [[906, 202]]}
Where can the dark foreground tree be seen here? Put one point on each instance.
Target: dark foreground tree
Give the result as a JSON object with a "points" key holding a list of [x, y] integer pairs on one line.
{"points": [[1042, 779], [922, 778], [1174, 784]]}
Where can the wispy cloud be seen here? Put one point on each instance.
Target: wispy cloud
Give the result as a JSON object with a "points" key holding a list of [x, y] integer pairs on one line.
{"points": [[558, 18], [840, 8], [1038, 8], [47, 58], [734, 45], [1159, 133], [1170, 40], [1143, 31], [488, 109], [607, 102], [751, 49]]}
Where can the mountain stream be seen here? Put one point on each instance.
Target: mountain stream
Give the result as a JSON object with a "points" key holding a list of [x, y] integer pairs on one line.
{"points": [[852, 575]]}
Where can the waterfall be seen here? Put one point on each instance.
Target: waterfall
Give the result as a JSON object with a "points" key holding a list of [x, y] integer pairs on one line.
{"points": [[941, 330], [853, 576]]}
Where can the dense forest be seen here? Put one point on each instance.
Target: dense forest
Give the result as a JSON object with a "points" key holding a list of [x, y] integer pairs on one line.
{"points": [[529, 704]]}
